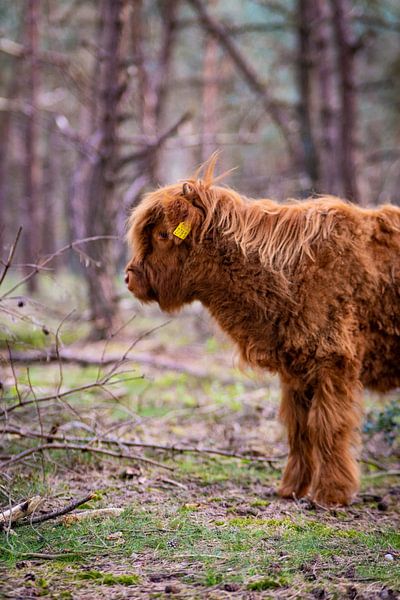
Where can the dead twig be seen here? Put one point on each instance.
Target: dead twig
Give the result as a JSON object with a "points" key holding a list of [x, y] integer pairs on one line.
{"points": [[56, 513], [390, 473], [10, 255], [71, 246], [92, 514], [25, 453], [51, 555], [19, 511], [373, 463], [174, 448], [68, 355], [58, 396]]}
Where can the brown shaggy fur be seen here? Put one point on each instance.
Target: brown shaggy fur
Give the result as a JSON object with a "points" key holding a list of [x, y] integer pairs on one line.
{"points": [[310, 290]]}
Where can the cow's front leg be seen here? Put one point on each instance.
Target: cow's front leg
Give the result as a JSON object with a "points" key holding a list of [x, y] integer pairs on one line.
{"points": [[333, 425], [294, 410]]}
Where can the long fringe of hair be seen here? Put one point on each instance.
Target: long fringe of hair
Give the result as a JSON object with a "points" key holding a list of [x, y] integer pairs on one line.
{"points": [[281, 234]]}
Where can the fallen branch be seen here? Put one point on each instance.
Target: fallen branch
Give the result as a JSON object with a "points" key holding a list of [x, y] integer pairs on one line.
{"points": [[56, 513], [51, 555], [25, 453], [373, 463], [174, 448], [19, 511], [92, 514], [390, 473], [141, 358]]}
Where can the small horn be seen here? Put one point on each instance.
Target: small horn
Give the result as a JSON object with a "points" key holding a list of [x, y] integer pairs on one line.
{"points": [[188, 191]]}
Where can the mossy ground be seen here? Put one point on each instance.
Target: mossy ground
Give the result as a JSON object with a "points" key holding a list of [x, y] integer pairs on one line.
{"points": [[211, 528]]}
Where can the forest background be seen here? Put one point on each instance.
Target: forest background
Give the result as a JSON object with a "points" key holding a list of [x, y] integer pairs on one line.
{"points": [[105, 403], [101, 101]]}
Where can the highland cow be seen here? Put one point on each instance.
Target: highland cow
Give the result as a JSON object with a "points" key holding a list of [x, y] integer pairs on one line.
{"points": [[309, 290]]}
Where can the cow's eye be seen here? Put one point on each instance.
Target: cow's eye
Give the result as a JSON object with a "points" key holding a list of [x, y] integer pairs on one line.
{"points": [[163, 235]]}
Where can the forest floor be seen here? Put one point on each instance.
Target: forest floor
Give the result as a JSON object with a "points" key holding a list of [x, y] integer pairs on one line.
{"points": [[212, 527]]}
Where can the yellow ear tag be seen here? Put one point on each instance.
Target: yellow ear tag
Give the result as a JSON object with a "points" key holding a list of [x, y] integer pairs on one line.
{"points": [[183, 230]]}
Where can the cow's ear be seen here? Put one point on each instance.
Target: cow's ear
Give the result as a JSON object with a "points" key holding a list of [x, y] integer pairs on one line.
{"points": [[193, 195], [188, 191], [182, 218]]}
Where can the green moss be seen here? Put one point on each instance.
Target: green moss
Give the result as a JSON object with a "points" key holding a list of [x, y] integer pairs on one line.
{"points": [[260, 503], [42, 586], [247, 522], [267, 583], [109, 578]]}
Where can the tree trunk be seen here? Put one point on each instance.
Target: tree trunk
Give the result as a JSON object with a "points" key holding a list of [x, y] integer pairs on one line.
{"points": [[49, 191], [305, 68], [328, 139], [9, 223], [348, 109], [278, 113], [101, 193], [153, 85], [210, 97], [31, 215]]}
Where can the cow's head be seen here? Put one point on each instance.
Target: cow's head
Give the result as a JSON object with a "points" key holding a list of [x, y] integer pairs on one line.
{"points": [[163, 230]]}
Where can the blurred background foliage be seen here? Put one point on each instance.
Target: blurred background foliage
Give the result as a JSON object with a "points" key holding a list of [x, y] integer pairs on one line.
{"points": [[103, 100]]}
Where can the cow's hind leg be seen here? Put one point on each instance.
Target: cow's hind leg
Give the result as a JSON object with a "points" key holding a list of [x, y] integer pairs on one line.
{"points": [[333, 424], [294, 414]]}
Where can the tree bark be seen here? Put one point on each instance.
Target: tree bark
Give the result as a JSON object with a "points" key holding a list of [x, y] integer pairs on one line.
{"points": [[49, 191], [210, 97], [328, 139], [8, 222], [101, 190], [31, 214], [305, 69], [153, 85], [348, 109]]}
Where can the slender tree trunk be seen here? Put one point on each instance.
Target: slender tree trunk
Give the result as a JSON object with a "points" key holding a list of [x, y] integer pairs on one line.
{"points": [[210, 96], [345, 57], [305, 69], [7, 221], [330, 180], [278, 113], [153, 86], [49, 191], [101, 192], [32, 166]]}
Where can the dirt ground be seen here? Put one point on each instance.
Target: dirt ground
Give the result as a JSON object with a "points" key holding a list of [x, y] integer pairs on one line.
{"points": [[207, 526]]}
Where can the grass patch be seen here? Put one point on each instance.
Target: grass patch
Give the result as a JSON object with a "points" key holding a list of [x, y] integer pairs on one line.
{"points": [[209, 471], [243, 550]]}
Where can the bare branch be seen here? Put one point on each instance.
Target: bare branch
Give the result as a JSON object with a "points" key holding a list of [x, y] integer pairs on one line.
{"points": [[155, 145], [11, 255], [173, 448], [274, 108], [23, 509], [71, 246], [65, 446], [56, 513]]}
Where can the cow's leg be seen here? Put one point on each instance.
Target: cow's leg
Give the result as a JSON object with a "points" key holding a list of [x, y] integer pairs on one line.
{"points": [[294, 414], [333, 424]]}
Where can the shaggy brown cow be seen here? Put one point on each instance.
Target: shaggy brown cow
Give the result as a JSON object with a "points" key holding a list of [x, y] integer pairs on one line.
{"points": [[310, 290]]}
